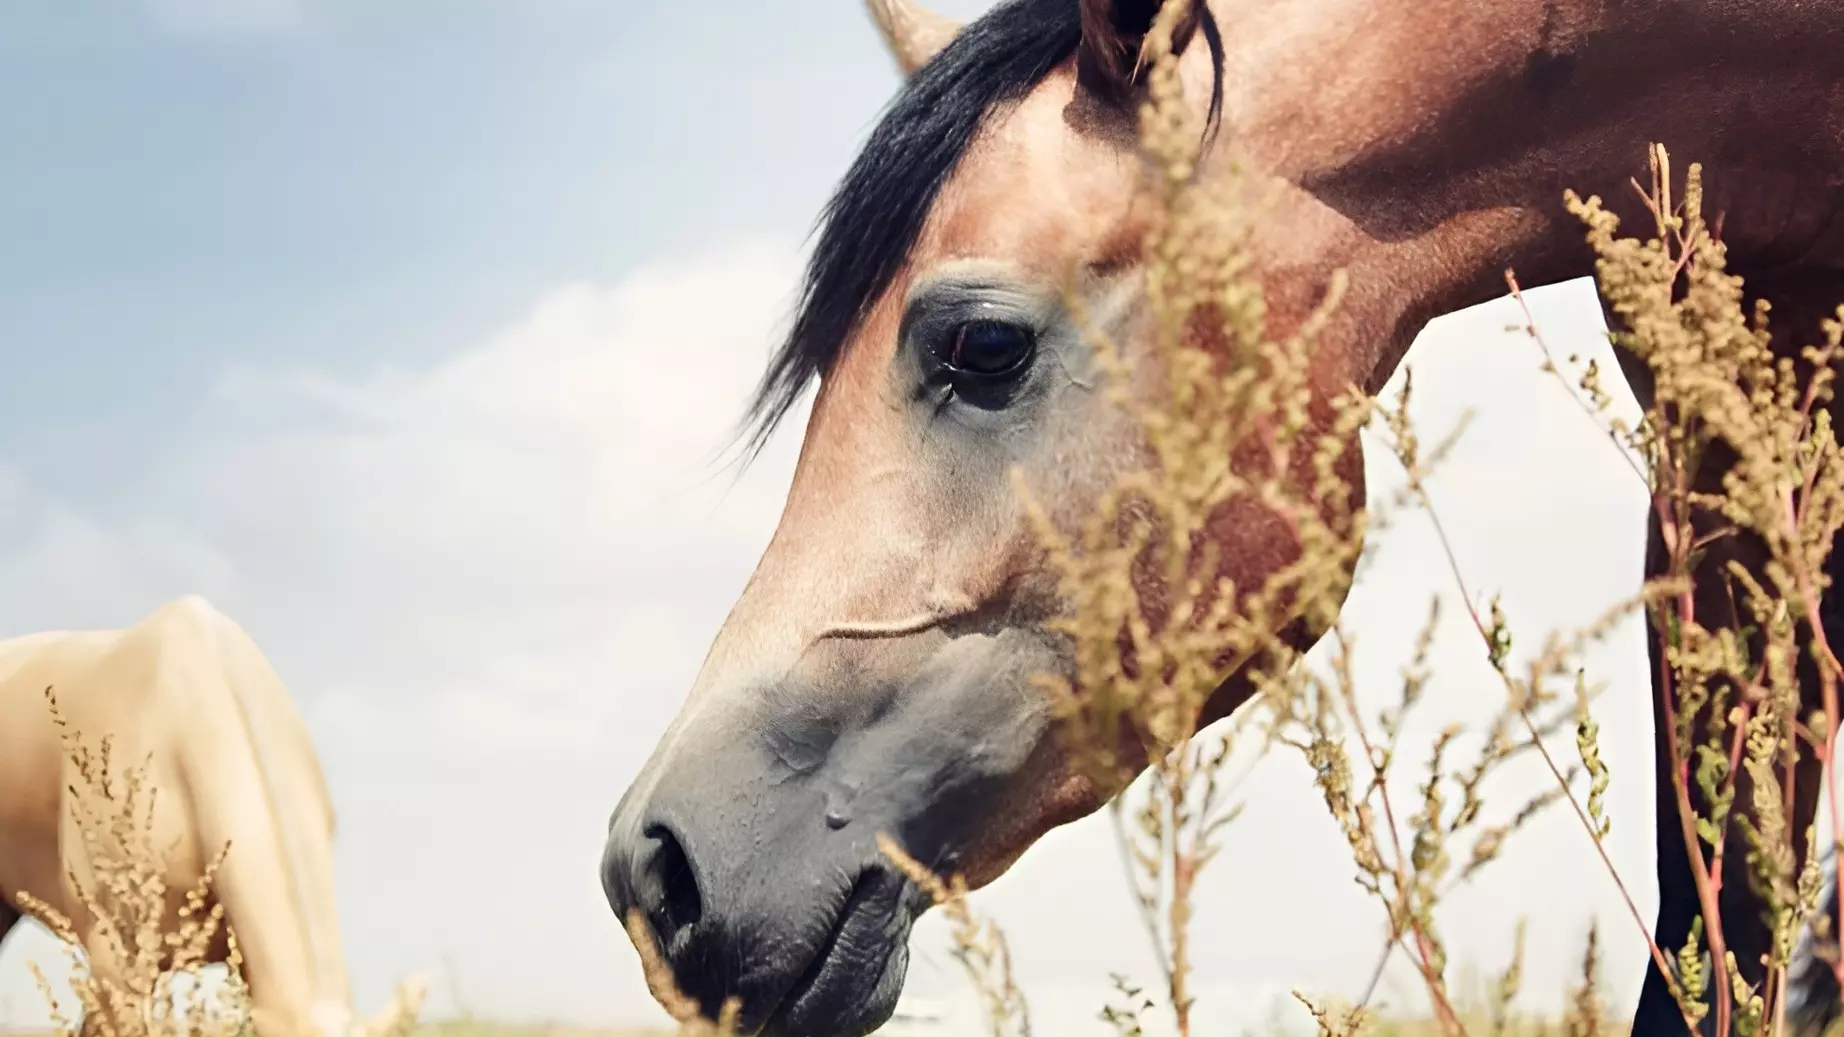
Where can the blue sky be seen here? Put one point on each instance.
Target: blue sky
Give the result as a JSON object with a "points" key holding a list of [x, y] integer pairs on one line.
{"points": [[346, 182], [407, 333]]}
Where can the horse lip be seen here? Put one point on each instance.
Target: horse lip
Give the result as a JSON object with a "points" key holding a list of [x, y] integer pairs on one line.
{"points": [[872, 890]]}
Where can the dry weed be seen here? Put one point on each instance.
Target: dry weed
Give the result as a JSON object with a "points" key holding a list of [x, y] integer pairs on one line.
{"points": [[127, 898], [155, 986], [682, 1007], [1738, 448]]}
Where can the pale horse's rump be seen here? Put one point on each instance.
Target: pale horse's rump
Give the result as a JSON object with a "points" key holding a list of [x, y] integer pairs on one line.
{"points": [[188, 693]]}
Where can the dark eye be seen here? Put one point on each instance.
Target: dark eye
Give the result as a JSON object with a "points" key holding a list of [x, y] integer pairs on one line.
{"points": [[990, 348]]}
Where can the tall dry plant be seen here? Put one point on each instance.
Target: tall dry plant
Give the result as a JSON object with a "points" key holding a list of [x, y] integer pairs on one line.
{"points": [[126, 895], [1738, 446], [155, 987]]}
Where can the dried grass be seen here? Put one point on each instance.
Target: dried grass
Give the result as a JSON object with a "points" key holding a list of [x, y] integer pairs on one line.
{"points": [[155, 987]]}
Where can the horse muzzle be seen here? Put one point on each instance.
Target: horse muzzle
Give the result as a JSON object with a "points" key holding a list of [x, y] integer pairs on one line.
{"points": [[749, 841]]}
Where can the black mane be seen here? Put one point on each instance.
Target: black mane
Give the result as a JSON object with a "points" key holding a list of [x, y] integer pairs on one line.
{"points": [[877, 211]]}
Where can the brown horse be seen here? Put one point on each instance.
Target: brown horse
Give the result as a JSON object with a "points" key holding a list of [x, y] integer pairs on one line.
{"points": [[872, 676]]}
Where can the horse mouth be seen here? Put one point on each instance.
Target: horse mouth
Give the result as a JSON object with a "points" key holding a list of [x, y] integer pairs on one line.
{"points": [[851, 985]]}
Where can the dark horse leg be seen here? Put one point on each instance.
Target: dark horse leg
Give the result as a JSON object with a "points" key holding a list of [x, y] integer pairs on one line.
{"points": [[1800, 300]]}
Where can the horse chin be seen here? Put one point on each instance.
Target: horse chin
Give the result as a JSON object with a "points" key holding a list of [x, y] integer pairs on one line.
{"points": [[851, 985]]}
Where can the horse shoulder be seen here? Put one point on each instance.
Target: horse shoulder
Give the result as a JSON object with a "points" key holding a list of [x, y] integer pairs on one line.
{"points": [[182, 693], [217, 703], [163, 683], [292, 761]]}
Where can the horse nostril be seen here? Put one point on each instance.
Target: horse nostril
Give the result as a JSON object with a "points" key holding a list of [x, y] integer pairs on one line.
{"points": [[668, 888]]}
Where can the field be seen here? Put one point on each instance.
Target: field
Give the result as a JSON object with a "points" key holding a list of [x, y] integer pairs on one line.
{"points": [[477, 1028], [460, 1028], [480, 1028]]}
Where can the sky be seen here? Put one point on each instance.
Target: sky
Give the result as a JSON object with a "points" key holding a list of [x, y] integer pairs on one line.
{"points": [[410, 336]]}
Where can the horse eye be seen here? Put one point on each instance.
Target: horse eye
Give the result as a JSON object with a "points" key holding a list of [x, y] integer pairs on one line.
{"points": [[989, 348]]}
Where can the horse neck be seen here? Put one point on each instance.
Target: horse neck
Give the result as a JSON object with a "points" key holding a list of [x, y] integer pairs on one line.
{"points": [[1425, 145]]}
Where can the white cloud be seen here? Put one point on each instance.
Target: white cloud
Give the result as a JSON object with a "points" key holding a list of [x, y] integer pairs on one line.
{"points": [[540, 525], [490, 582]]}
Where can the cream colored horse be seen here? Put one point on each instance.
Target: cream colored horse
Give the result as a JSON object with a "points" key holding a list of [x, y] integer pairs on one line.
{"points": [[187, 691]]}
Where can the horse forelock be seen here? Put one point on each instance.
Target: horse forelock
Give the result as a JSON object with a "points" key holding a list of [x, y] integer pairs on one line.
{"points": [[876, 215]]}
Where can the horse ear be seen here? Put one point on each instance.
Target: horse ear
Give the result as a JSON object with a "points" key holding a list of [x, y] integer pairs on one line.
{"points": [[1108, 62], [913, 33]]}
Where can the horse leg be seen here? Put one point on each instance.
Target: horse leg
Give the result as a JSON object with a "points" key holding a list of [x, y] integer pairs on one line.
{"points": [[1741, 905], [1800, 300], [1678, 904], [1657, 1011], [1813, 987]]}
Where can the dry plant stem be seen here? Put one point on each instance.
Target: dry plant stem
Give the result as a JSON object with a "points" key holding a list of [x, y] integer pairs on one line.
{"points": [[1419, 488], [1707, 887], [126, 902], [660, 983], [1184, 868], [1530, 329], [127, 907], [1671, 498], [1122, 842], [1829, 666], [1424, 957], [1675, 528], [1722, 381], [980, 948], [1737, 743], [1706, 895], [1829, 669], [1376, 972]]}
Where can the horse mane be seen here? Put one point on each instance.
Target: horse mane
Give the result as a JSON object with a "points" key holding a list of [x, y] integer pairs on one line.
{"points": [[872, 221]]}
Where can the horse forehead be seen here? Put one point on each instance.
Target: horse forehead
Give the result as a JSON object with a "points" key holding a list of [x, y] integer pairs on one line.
{"points": [[1030, 193], [1030, 189]]}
